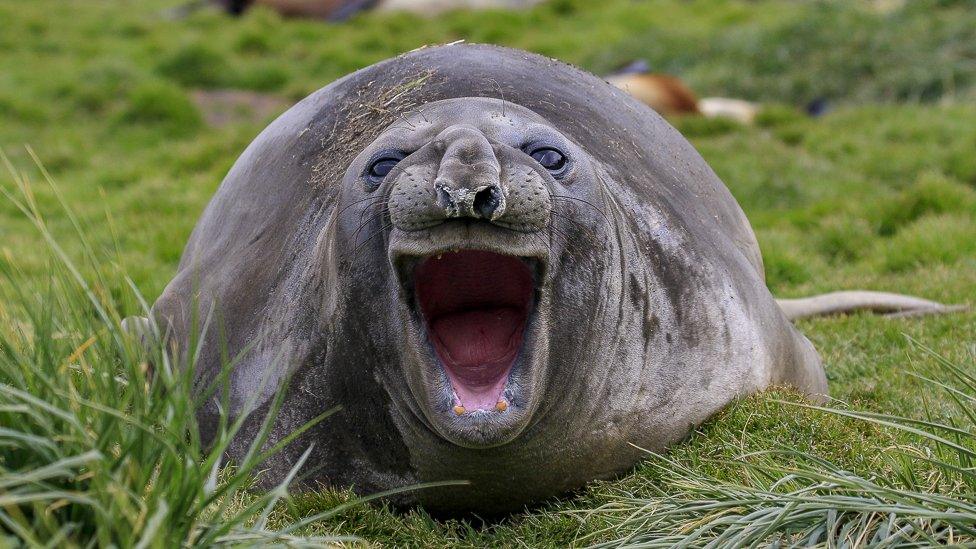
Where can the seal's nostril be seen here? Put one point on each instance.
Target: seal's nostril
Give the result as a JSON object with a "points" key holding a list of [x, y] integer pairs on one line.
{"points": [[486, 201], [444, 199]]}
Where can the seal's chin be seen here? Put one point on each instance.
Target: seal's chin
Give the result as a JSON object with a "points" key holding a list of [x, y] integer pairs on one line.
{"points": [[475, 306]]}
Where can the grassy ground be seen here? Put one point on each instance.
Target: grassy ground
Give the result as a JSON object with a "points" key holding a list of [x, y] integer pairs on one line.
{"points": [[880, 193]]}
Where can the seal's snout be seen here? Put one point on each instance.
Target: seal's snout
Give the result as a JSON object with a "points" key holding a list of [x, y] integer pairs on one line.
{"points": [[485, 202], [462, 174], [468, 179]]}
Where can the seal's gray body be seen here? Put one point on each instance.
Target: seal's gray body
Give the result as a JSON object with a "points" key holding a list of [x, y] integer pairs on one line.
{"points": [[656, 313]]}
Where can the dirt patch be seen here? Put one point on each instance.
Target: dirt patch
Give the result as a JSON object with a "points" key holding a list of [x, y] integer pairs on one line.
{"points": [[225, 107]]}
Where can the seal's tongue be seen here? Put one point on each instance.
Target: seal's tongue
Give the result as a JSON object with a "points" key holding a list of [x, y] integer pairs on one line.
{"points": [[475, 305]]}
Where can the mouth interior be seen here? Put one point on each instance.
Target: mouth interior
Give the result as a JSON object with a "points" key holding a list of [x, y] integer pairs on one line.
{"points": [[476, 305]]}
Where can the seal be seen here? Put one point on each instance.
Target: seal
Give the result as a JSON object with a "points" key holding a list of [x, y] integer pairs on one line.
{"points": [[503, 270]]}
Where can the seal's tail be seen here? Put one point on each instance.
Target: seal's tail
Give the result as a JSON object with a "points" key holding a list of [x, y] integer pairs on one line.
{"points": [[858, 300]]}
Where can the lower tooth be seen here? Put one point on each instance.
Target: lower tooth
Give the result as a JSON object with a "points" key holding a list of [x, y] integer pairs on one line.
{"points": [[458, 410], [501, 405]]}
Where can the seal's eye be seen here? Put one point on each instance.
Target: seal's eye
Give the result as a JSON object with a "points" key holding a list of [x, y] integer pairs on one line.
{"points": [[379, 169], [551, 159]]}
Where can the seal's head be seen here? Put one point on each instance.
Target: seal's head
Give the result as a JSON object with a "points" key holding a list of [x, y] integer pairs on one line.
{"points": [[468, 187]]}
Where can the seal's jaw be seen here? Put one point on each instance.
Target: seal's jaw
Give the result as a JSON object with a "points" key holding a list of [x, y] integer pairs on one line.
{"points": [[475, 306]]}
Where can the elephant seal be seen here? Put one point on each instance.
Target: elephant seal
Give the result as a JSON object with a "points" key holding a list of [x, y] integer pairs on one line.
{"points": [[502, 268]]}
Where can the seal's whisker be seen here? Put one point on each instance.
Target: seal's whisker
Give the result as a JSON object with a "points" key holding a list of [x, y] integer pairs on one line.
{"points": [[587, 202], [568, 247], [501, 94], [560, 232], [577, 223], [410, 126], [378, 232], [542, 240], [374, 204], [366, 222], [360, 201], [566, 240]]}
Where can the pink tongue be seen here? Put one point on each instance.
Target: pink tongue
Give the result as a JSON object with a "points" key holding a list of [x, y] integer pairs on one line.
{"points": [[473, 338], [478, 348]]}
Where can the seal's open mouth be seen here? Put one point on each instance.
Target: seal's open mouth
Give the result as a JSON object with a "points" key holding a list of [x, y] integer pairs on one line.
{"points": [[475, 305]]}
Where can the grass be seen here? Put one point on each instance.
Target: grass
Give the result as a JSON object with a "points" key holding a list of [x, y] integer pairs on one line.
{"points": [[880, 193], [97, 444]]}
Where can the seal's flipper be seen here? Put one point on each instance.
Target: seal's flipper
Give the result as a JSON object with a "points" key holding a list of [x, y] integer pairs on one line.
{"points": [[896, 305]]}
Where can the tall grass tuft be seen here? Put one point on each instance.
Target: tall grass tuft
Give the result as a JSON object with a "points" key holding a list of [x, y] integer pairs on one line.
{"points": [[924, 495], [97, 447]]}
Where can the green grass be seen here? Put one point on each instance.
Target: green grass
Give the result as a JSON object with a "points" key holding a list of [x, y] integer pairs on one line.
{"points": [[878, 194]]}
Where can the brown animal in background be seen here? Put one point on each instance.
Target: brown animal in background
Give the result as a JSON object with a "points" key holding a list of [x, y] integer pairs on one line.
{"points": [[339, 10], [665, 94], [669, 96]]}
